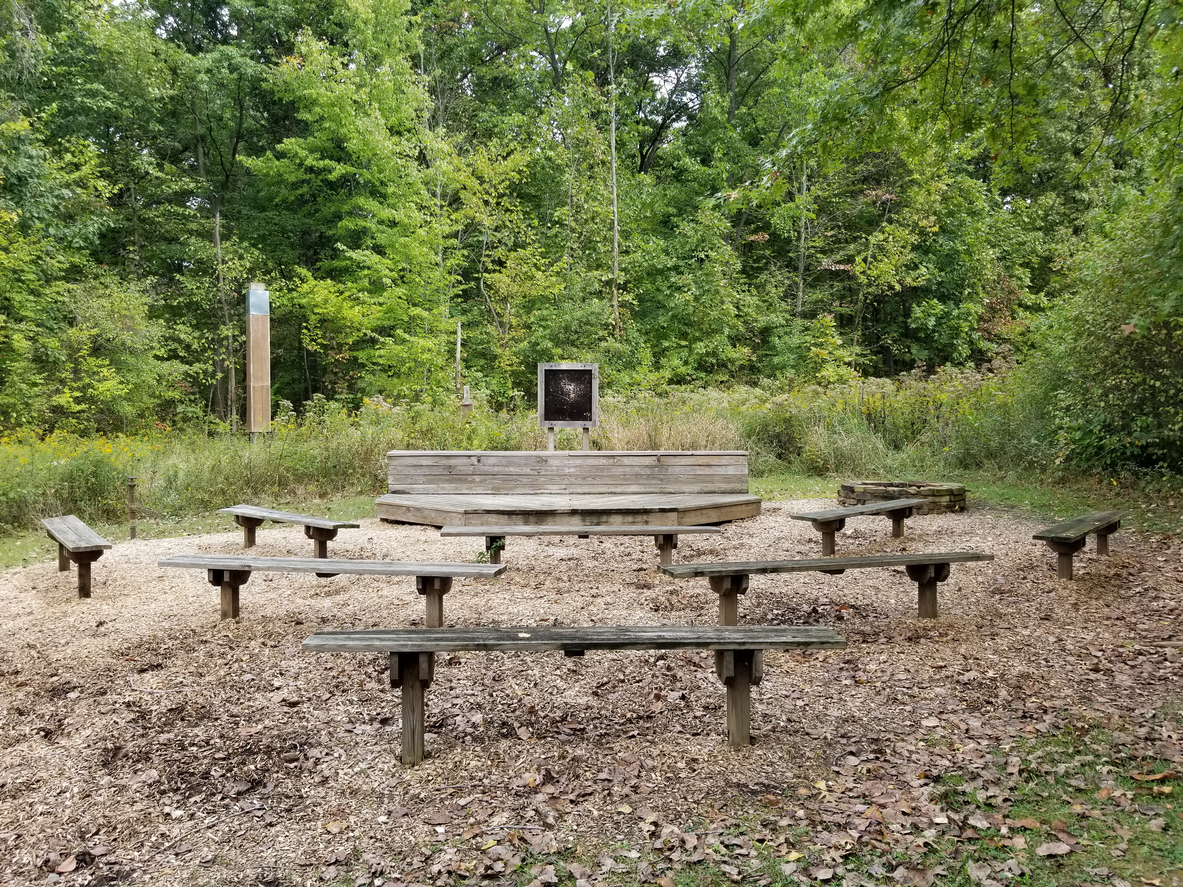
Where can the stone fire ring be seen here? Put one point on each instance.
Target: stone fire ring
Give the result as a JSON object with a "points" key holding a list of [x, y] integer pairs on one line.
{"points": [[939, 498]]}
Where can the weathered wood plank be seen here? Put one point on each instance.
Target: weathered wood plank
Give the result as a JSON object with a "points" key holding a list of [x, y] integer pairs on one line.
{"points": [[585, 530], [541, 638], [72, 534], [331, 565], [1069, 531], [287, 517], [871, 508], [749, 568]]}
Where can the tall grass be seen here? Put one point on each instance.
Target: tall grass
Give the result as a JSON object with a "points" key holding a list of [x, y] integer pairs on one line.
{"points": [[907, 428]]}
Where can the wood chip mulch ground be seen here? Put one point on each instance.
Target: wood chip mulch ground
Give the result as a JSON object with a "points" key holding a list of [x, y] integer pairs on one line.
{"points": [[146, 741]]}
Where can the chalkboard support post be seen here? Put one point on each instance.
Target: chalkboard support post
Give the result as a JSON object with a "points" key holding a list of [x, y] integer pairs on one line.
{"points": [[586, 439], [550, 440]]}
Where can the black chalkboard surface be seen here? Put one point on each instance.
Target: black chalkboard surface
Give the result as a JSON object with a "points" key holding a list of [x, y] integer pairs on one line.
{"points": [[568, 395]]}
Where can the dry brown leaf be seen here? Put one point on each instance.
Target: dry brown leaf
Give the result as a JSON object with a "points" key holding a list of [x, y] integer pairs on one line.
{"points": [[1052, 848], [67, 865], [1153, 777], [335, 827]]}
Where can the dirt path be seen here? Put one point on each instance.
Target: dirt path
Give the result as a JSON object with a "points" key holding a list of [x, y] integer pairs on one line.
{"points": [[145, 740]]}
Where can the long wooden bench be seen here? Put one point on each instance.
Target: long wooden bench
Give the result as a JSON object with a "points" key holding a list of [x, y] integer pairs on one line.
{"points": [[320, 530], [432, 581], [610, 488], [665, 538], [830, 522], [738, 660], [729, 580], [77, 543], [1068, 537]]}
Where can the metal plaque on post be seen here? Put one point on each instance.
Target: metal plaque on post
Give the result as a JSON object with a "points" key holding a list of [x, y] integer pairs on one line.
{"points": [[258, 359], [568, 397]]}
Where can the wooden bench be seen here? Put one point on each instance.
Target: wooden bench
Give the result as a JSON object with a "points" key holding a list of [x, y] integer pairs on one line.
{"points": [[830, 522], [597, 487], [78, 543], [1068, 537], [432, 581], [738, 660], [729, 580], [319, 529], [665, 538]]}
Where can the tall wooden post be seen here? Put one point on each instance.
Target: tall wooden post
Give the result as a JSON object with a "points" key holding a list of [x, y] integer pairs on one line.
{"points": [[258, 359]]}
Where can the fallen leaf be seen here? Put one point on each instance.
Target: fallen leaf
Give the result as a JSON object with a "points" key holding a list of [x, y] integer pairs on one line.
{"points": [[67, 865], [335, 827], [1023, 823], [665, 881], [524, 733], [1053, 848], [1153, 777], [978, 872], [624, 808]]}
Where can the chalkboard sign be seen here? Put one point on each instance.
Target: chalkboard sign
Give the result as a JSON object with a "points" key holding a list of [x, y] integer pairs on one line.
{"points": [[568, 395]]}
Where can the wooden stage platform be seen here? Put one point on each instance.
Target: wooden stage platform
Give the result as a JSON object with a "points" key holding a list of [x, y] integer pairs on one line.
{"points": [[630, 488], [558, 509]]}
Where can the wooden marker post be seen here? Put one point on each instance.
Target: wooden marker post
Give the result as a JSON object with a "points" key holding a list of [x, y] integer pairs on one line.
{"points": [[258, 359]]}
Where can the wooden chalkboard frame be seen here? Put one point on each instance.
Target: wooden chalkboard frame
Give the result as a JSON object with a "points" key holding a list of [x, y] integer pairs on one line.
{"points": [[544, 420]]}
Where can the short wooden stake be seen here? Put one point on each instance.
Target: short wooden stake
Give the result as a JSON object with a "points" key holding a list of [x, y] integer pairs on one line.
{"points": [[494, 546], [131, 507]]}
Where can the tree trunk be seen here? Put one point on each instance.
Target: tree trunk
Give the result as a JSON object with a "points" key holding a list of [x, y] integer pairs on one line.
{"points": [[612, 152], [801, 241]]}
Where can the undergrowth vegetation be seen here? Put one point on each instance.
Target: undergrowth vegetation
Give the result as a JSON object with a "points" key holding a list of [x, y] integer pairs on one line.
{"points": [[913, 427]]}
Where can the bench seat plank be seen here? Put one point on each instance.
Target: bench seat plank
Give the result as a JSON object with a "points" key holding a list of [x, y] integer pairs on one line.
{"points": [[823, 564], [590, 530], [433, 581], [1068, 537], [738, 657], [287, 517], [76, 536], [332, 565], [729, 580], [536, 639], [872, 508], [1069, 531], [828, 523]]}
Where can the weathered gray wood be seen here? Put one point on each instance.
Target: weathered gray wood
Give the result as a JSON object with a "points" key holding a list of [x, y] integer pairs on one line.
{"points": [[334, 565], [560, 509], [735, 568], [730, 579], [286, 517], [738, 658], [872, 508], [71, 533], [576, 472], [664, 537], [830, 522], [1070, 531], [539, 638], [580, 530], [1068, 537], [77, 543]]}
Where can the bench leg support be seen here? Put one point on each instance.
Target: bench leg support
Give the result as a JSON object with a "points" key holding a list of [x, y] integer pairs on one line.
{"points": [[249, 525], [84, 559], [1064, 554], [414, 673], [494, 546], [828, 528], [63, 558], [926, 577], [320, 540], [729, 588], [897, 522], [739, 670], [1103, 537], [228, 581], [666, 543], [433, 589]]}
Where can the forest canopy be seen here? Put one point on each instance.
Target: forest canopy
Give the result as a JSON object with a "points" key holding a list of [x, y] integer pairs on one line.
{"points": [[688, 193]]}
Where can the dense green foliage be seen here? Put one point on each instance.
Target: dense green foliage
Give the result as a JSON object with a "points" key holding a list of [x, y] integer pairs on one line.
{"points": [[793, 196]]}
